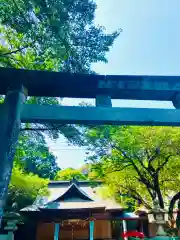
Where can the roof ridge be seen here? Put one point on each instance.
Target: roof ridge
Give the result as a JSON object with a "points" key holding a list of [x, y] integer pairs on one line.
{"points": [[69, 181], [83, 193]]}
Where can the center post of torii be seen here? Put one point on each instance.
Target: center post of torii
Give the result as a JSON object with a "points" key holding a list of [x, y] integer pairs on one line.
{"points": [[17, 84]]}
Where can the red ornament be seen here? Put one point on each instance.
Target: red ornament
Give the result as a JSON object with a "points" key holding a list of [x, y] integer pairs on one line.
{"points": [[133, 234]]}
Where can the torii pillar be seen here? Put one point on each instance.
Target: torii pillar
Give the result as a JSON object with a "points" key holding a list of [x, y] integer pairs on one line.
{"points": [[9, 130]]}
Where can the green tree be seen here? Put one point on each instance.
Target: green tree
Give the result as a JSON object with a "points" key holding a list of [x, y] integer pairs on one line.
{"points": [[57, 35], [139, 162], [69, 174], [23, 189], [33, 156]]}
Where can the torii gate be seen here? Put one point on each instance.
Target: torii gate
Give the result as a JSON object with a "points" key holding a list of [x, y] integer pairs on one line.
{"points": [[103, 88]]}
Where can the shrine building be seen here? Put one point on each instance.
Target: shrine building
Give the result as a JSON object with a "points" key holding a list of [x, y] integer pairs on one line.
{"points": [[75, 211]]}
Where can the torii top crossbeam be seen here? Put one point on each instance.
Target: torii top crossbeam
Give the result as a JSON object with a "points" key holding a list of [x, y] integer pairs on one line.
{"points": [[57, 84]]}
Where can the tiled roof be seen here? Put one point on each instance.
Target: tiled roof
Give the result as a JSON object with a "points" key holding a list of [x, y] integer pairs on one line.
{"points": [[72, 205], [73, 195]]}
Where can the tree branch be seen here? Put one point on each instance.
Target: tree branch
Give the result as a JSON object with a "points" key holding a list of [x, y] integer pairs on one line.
{"points": [[16, 5], [18, 50], [167, 180], [136, 196], [150, 160], [149, 189], [163, 164], [142, 178], [41, 129], [151, 168], [118, 170], [141, 162]]}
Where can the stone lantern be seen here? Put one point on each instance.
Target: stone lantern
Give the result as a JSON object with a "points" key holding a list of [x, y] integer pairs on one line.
{"points": [[11, 219], [160, 218]]}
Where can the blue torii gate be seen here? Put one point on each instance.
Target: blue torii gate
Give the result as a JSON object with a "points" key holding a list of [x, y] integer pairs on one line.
{"points": [[17, 84]]}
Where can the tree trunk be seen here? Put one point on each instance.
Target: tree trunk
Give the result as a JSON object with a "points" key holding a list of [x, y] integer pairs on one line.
{"points": [[160, 198], [178, 216], [158, 192], [171, 209], [9, 130], [173, 201]]}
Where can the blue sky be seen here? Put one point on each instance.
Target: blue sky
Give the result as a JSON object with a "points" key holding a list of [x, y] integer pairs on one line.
{"points": [[148, 45]]}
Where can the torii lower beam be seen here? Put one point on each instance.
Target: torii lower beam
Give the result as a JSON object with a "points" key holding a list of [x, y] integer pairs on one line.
{"points": [[100, 115]]}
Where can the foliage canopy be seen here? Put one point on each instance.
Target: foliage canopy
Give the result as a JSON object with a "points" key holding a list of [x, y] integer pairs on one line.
{"points": [[139, 162]]}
